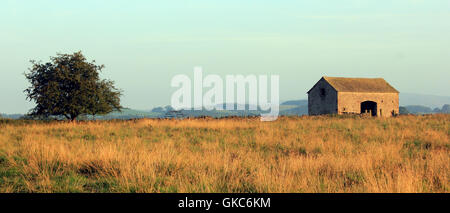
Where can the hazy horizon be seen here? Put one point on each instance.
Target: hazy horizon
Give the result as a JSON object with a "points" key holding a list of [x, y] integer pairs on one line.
{"points": [[144, 44]]}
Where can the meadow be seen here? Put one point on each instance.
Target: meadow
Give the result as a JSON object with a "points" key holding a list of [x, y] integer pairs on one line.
{"points": [[293, 154]]}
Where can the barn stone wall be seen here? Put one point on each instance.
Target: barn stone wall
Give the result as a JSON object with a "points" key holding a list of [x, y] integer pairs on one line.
{"points": [[322, 99], [387, 103]]}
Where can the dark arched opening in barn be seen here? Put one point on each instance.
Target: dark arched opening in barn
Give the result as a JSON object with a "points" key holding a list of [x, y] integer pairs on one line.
{"points": [[369, 107]]}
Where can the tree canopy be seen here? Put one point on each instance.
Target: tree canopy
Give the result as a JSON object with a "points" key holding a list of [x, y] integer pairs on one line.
{"points": [[70, 86]]}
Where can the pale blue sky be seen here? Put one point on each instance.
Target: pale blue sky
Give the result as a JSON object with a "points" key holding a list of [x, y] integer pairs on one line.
{"points": [[145, 43]]}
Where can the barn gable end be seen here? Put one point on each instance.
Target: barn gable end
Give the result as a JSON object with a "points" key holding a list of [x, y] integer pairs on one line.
{"points": [[322, 98]]}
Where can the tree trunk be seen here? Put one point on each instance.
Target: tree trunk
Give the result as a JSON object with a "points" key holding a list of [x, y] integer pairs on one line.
{"points": [[73, 118]]}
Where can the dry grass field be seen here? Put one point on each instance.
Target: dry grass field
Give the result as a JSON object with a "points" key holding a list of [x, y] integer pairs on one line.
{"points": [[292, 154]]}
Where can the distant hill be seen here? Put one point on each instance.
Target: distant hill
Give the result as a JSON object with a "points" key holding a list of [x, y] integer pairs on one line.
{"points": [[294, 107], [431, 101], [418, 109], [296, 102]]}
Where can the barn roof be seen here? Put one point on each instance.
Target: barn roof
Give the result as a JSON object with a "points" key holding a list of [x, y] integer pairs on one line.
{"points": [[375, 85]]}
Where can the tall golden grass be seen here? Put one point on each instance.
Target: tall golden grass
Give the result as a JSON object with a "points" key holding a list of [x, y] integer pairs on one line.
{"points": [[292, 154]]}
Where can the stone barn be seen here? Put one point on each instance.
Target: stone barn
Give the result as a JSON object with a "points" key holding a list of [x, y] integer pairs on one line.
{"points": [[336, 95]]}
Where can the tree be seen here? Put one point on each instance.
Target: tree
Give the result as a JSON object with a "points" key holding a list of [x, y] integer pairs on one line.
{"points": [[69, 86], [403, 111], [436, 110], [158, 109], [168, 108], [445, 109]]}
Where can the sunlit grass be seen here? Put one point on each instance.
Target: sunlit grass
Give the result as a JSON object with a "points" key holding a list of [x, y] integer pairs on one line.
{"points": [[292, 154]]}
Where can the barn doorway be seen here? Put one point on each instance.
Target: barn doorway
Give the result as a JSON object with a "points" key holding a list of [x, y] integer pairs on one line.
{"points": [[369, 107]]}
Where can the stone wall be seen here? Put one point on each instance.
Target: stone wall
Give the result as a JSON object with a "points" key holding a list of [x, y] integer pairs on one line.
{"points": [[387, 103], [322, 99]]}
